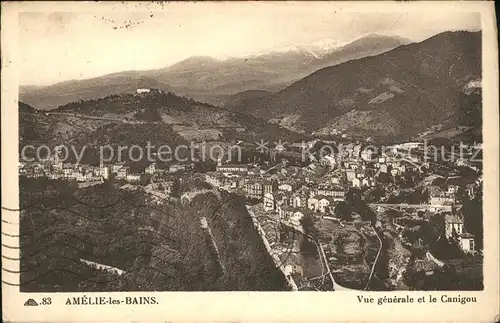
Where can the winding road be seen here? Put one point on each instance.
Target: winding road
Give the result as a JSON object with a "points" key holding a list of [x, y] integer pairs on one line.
{"points": [[375, 261]]}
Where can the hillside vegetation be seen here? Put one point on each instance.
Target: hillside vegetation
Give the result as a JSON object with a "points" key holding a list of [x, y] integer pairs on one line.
{"points": [[128, 119]]}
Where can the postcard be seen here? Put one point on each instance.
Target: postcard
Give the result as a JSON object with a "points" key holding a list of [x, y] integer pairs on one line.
{"points": [[250, 161]]}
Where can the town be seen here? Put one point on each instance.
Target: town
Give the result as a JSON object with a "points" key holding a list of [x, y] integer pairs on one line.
{"points": [[353, 219]]}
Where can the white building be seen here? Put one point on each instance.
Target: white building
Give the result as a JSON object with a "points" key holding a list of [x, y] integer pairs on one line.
{"points": [[176, 168], [366, 155], [296, 218], [228, 168], [285, 187], [133, 177], [116, 167], [467, 242], [104, 172], [123, 172], [268, 201], [151, 169], [313, 204], [356, 182], [324, 204], [453, 224]]}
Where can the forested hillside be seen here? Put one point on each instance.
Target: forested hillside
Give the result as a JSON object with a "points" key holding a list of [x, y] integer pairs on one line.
{"points": [[158, 247]]}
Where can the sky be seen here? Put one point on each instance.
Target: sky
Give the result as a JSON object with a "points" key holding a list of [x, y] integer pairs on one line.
{"points": [[59, 46]]}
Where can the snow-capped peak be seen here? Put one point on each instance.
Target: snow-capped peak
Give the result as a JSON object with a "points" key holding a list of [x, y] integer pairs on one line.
{"points": [[316, 49]]}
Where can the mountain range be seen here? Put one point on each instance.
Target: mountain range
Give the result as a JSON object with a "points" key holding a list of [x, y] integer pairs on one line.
{"points": [[367, 89], [214, 81], [400, 92]]}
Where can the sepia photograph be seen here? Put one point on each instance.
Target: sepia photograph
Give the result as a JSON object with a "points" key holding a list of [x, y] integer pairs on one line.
{"points": [[248, 147], [345, 155]]}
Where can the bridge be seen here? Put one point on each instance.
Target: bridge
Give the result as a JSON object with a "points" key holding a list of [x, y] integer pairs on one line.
{"points": [[403, 206]]}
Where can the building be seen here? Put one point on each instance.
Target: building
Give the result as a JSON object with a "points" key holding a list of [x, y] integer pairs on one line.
{"points": [[229, 183], [337, 193], [328, 161], [285, 187], [466, 242], [453, 225], [67, 172], [142, 91], [282, 198], [213, 180], [285, 211], [167, 187], [151, 169], [438, 197], [56, 175], [313, 204], [296, 217], [324, 204], [295, 270], [175, 168], [116, 167], [104, 171], [253, 190], [335, 180], [123, 172], [366, 155], [229, 168], [452, 189], [268, 187], [350, 174], [268, 201], [470, 190], [356, 182], [133, 177], [454, 229], [298, 200], [424, 267]]}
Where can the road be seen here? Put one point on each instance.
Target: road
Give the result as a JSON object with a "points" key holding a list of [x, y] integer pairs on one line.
{"points": [[112, 269], [376, 259], [191, 127], [410, 206]]}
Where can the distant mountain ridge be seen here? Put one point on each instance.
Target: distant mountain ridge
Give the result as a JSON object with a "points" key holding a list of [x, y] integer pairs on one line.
{"points": [[402, 91], [210, 80]]}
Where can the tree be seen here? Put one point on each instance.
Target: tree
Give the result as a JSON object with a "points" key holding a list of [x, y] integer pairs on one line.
{"points": [[343, 211], [176, 188], [473, 218], [384, 178], [307, 222]]}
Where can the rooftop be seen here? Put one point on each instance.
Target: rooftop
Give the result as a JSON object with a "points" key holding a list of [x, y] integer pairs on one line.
{"points": [[453, 219], [233, 166]]}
